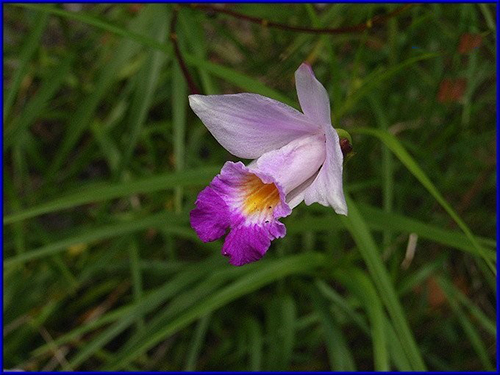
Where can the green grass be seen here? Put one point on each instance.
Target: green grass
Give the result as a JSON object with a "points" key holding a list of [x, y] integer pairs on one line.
{"points": [[104, 159]]}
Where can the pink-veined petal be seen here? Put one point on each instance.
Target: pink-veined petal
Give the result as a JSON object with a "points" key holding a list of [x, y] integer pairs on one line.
{"points": [[296, 196], [249, 125], [293, 163], [313, 97], [326, 189]]}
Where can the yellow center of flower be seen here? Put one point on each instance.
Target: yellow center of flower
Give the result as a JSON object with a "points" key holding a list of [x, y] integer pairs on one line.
{"points": [[259, 196]]}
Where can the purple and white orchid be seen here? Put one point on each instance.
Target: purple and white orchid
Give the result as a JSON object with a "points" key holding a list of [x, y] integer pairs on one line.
{"points": [[297, 158]]}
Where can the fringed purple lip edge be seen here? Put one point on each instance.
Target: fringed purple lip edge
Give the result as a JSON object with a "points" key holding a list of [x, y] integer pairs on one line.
{"points": [[217, 211]]}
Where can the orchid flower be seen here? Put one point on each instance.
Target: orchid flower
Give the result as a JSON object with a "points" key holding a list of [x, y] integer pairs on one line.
{"points": [[297, 158]]}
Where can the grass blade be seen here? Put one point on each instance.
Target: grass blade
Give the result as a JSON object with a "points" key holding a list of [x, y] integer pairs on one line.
{"points": [[98, 192], [357, 282], [100, 24], [265, 274], [255, 343], [366, 245], [179, 103], [154, 299], [146, 84], [378, 219], [38, 102], [82, 117], [339, 354], [136, 276], [29, 48], [395, 146], [239, 79], [89, 235], [378, 78], [195, 347], [469, 329]]}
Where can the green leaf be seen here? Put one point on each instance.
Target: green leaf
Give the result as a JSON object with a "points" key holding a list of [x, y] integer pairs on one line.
{"points": [[370, 253], [469, 328], [97, 192], [239, 79], [108, 74], [90, 235], [48, 88], [29, 48], [147, 80], [95, 21], [395, 146], [266, 273], [197, 343], [377, 78], [378, 219], [255, 344], [339, 353], [280, 331], [179, 104], [150, 302], [359, 283]]}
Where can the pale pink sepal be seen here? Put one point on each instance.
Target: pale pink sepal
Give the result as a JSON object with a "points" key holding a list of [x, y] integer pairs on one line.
{"points": [[313, 97], [249, 125], [326, 189]]}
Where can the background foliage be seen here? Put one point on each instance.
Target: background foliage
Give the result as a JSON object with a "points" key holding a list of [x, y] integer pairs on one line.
{"points": [[103, 160]]}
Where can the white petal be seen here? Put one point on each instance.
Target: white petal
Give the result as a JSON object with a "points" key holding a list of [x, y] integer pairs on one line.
{"points": [[248, 125], [312, 95], [294, 163], [296, 196], [327, 189]]}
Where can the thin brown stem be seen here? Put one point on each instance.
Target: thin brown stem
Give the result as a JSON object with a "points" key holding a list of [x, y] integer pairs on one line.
{"points": [[173, 37], [377, 20]]}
